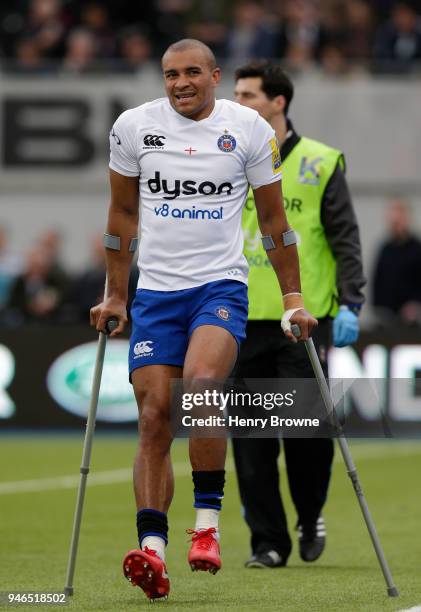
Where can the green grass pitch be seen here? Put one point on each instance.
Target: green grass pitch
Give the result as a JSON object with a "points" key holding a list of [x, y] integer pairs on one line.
{"points": [[36, 517]]}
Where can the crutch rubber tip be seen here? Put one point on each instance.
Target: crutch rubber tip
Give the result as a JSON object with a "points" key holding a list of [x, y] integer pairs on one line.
{"points": [[392, 592], [68, 591]]}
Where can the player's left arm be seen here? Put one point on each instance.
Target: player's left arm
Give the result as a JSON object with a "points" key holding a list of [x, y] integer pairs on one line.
{"points": [[341, 229], [284, 259]]}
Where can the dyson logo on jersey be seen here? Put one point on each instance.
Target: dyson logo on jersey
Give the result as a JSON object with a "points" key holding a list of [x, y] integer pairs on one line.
{"points": [[186, 187], [189, 213]]}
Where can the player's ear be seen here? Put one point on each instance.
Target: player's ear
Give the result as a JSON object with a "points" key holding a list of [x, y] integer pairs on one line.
{"points": [[280, 102], [216, 75]]}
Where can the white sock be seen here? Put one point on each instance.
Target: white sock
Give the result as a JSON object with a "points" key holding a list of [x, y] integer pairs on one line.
{"points": [[207, 517], [155, 543]]}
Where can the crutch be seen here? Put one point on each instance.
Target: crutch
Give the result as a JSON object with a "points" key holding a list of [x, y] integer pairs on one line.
{"points": [[392, 591], [86, 454], [113, 243]]}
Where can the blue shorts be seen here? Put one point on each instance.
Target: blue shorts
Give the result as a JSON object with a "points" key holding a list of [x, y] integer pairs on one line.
{"points": [[163, 321]]}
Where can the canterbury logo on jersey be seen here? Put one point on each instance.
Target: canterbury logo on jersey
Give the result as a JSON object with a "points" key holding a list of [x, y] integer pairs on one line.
{"points": [[186, 187], [153, 140], [189, 213]]}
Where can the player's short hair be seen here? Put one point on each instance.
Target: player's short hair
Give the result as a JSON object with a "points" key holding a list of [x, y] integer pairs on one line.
{"points": [[192, 43], [275, 82]]}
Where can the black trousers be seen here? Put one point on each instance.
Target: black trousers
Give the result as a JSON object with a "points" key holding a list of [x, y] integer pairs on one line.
{"points": [[266, 353]]}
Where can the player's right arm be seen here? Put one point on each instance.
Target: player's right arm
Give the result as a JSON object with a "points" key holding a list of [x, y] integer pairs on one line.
{"points": [[123, 218]]}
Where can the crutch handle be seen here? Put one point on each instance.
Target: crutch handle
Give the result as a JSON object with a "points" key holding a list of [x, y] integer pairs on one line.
{"points": [[296, 330], [111, 325]]}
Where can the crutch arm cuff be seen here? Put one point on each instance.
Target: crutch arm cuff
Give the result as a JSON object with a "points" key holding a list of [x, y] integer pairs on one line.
{"points": [[114, 243]]}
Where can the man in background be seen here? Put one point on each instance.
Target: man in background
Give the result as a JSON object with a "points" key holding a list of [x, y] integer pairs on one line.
{"points": [[319, 209], [397, 279]]}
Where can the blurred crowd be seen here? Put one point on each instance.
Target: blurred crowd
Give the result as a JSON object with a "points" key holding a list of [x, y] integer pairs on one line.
{"points": [[122, 36], [38, 287]]}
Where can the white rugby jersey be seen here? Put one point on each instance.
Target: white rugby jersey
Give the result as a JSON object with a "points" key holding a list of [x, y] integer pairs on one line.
{"points": [[193, 181]]}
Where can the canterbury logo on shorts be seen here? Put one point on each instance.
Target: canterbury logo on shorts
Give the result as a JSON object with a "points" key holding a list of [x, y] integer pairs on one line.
{"points": [[143, 349]]}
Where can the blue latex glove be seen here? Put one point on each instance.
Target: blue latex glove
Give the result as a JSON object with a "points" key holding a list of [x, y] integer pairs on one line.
{"points": [[346, 327]]}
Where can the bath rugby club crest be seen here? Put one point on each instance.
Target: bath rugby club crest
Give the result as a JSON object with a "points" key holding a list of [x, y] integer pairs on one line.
{"points": [[223, 313], [226, 142]]}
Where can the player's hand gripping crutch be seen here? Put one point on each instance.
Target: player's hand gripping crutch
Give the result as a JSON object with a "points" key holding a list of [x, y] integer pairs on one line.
{"points": [[111, 324], [352, 472]]}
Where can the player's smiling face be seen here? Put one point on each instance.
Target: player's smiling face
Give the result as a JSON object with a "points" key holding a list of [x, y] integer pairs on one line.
{"points": [[190, 82]]}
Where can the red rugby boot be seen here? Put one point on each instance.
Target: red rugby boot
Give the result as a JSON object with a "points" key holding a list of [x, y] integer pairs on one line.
{"points": [[204, 553], [145, 569]]}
